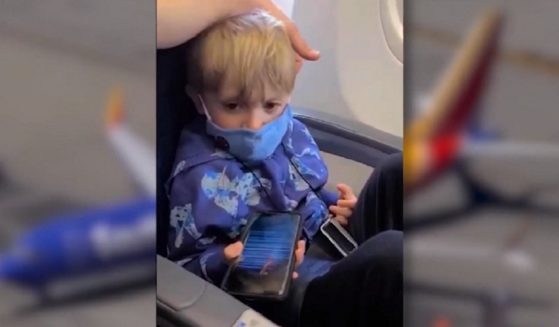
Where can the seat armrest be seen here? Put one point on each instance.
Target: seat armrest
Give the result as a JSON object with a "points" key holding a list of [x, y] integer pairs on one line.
{"points": [[184, 299], [348, 139]]}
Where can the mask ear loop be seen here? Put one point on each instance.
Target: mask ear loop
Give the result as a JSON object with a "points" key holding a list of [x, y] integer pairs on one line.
{"points": [[204, 107]]}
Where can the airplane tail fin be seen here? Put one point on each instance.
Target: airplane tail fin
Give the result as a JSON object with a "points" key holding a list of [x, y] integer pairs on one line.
{"points": [[459, 89], [137, 156], [435, 138]]}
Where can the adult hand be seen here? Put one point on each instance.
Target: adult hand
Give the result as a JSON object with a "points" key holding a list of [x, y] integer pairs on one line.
{"points": [[301, 47], [180, 20]]}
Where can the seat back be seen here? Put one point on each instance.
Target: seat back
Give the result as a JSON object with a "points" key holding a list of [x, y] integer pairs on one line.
{"points": [[174, 110]]}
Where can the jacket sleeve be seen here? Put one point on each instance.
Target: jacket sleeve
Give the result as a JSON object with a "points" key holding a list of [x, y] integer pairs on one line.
{"points": [[329, 197], [312, 169], [190, 242]]}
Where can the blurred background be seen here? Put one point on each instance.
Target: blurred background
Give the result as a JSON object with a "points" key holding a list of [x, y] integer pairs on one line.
{"points": [[481, 235], [61, 62]]}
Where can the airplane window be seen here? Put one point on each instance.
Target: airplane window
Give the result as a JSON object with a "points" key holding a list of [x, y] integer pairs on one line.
{"points": [[391, 16], [358, 80]]}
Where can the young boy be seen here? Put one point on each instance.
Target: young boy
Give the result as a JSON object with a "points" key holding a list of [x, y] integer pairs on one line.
{"points": [[246, 155], [250, 156]]}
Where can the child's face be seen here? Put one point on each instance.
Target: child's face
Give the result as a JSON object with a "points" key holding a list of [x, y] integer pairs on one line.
{"points": [[228, 110]]}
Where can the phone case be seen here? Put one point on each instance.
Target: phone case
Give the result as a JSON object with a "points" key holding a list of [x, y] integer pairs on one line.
{"points": [[279, 296], [341, 232]]}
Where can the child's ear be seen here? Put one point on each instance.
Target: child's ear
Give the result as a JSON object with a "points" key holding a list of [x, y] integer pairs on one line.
{"points": [[193, 95]]}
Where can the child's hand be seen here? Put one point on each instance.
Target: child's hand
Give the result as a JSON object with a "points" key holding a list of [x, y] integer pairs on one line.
{"points": [[345, 205], [299, 255], [233, 251]]}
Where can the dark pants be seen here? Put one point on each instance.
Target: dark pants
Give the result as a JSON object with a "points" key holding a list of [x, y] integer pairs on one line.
{"points": [[380, 203], [365, 288]]}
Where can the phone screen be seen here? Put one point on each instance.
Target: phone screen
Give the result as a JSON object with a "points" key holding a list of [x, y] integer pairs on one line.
{"points": [[266, 264]]}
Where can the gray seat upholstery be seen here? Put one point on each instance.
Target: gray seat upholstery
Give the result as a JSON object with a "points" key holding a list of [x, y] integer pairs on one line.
{"points": [[184, 299]]}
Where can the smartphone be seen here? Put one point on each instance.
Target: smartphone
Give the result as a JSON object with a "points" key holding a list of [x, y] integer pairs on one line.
{"points": [[266, 265], [338, 236]]}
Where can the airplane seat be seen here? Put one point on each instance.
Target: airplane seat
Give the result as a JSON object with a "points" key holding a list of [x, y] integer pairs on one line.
{"points": [[184, 299], [170, 80], [174, 110]]}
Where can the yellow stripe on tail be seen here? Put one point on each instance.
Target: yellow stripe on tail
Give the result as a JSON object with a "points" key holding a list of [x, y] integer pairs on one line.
{"points": [[464, 65], [114, 113]]}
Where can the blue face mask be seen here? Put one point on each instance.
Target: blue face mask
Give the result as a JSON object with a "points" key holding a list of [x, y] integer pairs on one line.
{"points": [[250, 145]]}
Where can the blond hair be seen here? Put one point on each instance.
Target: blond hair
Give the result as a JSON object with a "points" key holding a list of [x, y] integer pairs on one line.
{"points": [[247, 52]]}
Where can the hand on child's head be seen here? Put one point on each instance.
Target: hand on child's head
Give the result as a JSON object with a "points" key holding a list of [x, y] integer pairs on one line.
{"points": [[301, 47]]}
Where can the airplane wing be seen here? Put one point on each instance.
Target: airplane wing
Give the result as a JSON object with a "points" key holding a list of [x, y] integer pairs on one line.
{"points": [[138, 157]]}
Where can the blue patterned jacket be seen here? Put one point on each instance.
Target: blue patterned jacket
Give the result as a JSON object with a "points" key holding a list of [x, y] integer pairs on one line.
{"points": [[213, 195]]}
